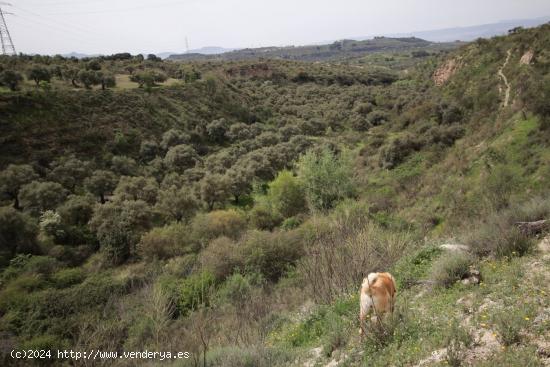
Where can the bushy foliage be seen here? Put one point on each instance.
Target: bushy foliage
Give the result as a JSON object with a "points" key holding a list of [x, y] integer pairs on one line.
{"points": [[229, 223], [164, 242], [119, 226], [17, 234], [177, 204], [13, 178], [451, 268], [287, 195], [37, 196], [326, 178]]}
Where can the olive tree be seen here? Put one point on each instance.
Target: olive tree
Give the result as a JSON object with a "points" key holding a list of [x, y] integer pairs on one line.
{"points": [[36, 197], [13, 178], [100, 183]]}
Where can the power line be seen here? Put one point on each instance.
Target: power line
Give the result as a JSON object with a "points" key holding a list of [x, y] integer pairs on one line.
{"points": [[57, 23], [5, 38], [123, 10]]}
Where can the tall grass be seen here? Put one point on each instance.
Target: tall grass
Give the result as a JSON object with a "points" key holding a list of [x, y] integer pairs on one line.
{"points": [[342, 256]]}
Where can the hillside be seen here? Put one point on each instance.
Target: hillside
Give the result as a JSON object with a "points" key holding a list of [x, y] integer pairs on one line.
{"points": [[344, 49], [230, 209]]}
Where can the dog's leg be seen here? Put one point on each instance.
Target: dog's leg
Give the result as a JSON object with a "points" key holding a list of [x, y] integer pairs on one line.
{"points": [[364, 308]]}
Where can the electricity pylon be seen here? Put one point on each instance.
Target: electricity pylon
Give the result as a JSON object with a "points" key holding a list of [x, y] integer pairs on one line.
{"points": [[5, 38]]}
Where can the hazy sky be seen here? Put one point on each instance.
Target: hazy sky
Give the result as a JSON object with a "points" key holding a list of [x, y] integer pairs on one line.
{"points": [[108, 26]]}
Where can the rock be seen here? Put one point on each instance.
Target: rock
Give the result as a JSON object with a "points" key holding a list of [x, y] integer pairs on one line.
{"points": [[473, 277], [543, 351], [527, 58]]}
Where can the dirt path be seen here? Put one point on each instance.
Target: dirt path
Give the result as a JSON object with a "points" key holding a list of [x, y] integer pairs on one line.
{"points": [[505, 80]]}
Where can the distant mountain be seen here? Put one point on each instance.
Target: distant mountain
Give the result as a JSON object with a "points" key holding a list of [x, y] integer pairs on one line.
{"points": [[210, 50], [471, 33], [333, 51], [79, 55]]}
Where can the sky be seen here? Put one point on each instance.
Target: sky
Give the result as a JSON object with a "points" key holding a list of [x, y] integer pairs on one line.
{"points": [[144, 26]]}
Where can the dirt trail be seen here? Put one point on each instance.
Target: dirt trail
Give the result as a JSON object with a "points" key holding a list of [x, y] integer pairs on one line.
{"points": [[505, 80]]}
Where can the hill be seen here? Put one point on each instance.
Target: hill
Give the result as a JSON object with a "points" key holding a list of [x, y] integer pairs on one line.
{"points": [[343, 49], [467, 34], [233, 212]]}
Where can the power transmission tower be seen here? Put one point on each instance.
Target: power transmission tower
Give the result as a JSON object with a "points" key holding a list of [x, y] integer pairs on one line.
{"points": [[5, 38]]}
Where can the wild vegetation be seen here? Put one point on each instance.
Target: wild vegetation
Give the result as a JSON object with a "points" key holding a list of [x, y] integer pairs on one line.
{"points": [[231, 209]]}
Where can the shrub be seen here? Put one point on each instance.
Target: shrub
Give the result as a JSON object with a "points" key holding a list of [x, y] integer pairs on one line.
{"points": [[137, 188], [326, 178], [287, 195], [236, 289], [457, 342], [397, 150], [229, 223], [119, 226], [67, 277], [271, 253], [164, 242], [509, 325], [37, 197], [181, 157], [77, 210], [17, 234], [498, 236], [221, 257], [196, 291], [450, 268], [344, 252], [263, 216], [177, 204]]}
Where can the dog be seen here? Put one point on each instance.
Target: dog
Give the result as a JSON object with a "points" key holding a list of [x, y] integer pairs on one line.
{"points": [[377, 295]]}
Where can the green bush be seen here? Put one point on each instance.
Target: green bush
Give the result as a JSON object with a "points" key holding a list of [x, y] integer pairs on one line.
{"points": [[271, 253], [221, 257], [196, 291], [68, 277], [457, 342], [509, 325], [229, 223], [17, 234], [450, 268], [287, 195], [264, 217], [498, 236], [164, 242], [326, 178]]}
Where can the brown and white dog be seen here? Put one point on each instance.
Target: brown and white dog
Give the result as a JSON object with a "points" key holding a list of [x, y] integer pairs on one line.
{"points": [[377, 295]]}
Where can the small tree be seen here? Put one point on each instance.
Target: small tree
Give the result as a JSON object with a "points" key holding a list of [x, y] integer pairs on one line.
{"points": [[148, 79], [71, 74], [11, 79], [17, 234], [101, 183], [287, 195], [214, 188], [39, 74], [119, 226], [181, 157], [137, 188], [106, 80], [177, 204], [13, 178], [69, 171], [37, 197], [326, 178], [89, 78]]}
